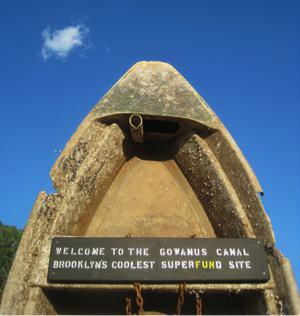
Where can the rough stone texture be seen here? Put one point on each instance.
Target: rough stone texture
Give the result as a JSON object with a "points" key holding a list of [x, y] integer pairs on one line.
{"points": [[81, 179], [17, 287], [38, 303], [208, 157], [84, 175], [243, 181], [286, 291], [154, 88], [100, 155], [271, 302], [213, 189]]}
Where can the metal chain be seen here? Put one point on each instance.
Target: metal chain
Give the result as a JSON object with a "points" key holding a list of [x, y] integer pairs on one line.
{"points": [[198, 305], [139, 298], [180, 300], [128, 306], [198, 299], [128, 300]]}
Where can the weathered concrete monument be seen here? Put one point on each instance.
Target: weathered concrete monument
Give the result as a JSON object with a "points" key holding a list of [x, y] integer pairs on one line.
{"points": [[156, 209]]}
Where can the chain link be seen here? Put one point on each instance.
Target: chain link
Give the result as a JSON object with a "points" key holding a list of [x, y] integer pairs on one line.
{"points": [[180, 300], [128, 300], [198, 305], [128, 306], [139, 298]]}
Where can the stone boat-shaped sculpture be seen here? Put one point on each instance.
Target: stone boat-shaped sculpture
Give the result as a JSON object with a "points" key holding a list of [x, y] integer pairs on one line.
{"points": [[150, 160]]}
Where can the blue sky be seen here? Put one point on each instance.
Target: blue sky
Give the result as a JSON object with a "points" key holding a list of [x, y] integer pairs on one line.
{"points": [[58, 58]]}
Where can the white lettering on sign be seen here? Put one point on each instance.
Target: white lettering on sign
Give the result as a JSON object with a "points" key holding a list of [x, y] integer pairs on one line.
{"points": [[81, 264], [132, 265], [80, 251], [232, 252], [138, 251], [117, 251], [239, 265], [140, 264], [183, 252], [157, 259], [58, 250]]}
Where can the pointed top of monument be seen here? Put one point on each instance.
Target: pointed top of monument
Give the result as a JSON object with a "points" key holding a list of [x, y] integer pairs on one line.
{"points": [[154, 88]]}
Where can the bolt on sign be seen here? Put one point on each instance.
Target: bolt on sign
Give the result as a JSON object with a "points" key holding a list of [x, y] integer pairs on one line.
{"points": [[157, 260]]}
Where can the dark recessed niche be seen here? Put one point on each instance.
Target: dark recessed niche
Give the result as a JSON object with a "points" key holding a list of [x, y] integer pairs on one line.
{"points": [[161, 127], [89, 302]]}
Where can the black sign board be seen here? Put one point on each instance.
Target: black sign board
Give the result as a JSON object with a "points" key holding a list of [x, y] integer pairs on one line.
{"points": [[156, 260]]}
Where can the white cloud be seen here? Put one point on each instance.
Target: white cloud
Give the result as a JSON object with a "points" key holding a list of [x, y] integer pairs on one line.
{"points": [[60, 43]]}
